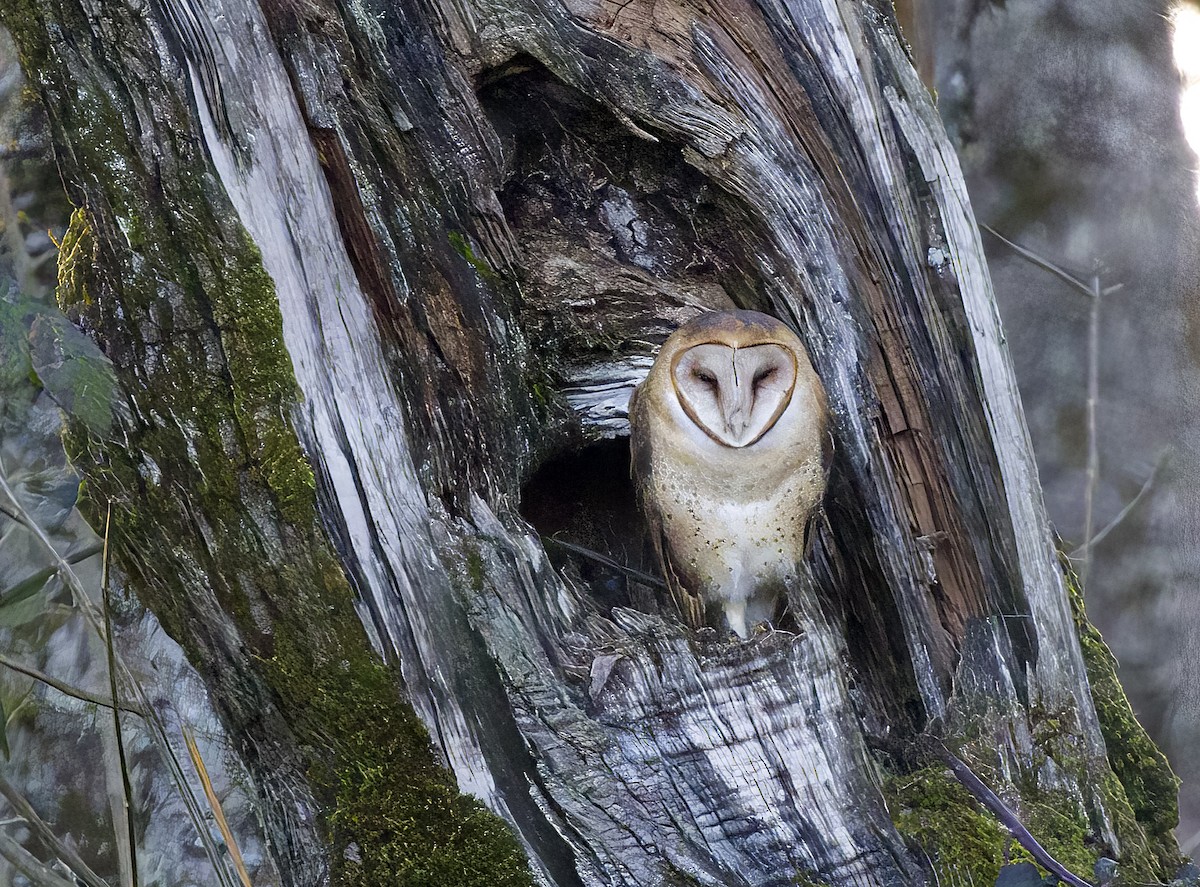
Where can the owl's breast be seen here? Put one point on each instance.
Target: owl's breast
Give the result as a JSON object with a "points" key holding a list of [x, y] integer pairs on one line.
{"points": [[731, 529]]}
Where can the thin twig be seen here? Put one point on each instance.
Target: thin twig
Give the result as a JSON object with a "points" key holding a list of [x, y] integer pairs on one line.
{"points": [[29, 865], [1095, 291], [1045, 264], [128, 857], [636, 575], [1123, 513], [1008, 819], [66, 689], [62, 849], [1093, 461]]}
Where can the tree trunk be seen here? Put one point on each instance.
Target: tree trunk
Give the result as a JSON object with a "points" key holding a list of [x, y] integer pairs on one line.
{"points": [[1057, 84], [378, 279]]}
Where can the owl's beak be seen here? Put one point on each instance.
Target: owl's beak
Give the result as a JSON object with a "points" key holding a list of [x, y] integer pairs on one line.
{"points": [[735, 422]]}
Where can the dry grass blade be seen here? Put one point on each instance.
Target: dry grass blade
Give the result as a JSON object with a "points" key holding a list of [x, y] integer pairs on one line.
{"points": [[234, 853], [64, 851], [158, 731], [65, 688], [38, 873], [123, 820]]}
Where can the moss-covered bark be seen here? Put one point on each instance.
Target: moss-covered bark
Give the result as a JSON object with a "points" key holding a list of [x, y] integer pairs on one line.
{"points": [[1140, 772], [965, 843], [213, 503]]}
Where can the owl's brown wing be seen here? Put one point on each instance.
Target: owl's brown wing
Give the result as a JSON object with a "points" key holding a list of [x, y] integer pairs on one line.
{"points": [[641, 469], [810, 529]]}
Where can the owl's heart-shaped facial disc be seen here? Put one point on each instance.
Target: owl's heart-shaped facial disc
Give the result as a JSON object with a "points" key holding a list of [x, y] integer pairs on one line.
{"points": [[736, 395]]}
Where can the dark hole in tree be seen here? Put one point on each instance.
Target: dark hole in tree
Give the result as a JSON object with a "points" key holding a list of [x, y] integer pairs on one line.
{"points": [[623, 240], [586, 499]]}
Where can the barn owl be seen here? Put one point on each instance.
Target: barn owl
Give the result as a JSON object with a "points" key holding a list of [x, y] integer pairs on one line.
{"points": [[729, 436]]}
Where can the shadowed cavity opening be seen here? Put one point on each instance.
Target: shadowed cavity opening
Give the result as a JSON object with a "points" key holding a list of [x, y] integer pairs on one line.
{"points": [[584, 505], [621, 242]]}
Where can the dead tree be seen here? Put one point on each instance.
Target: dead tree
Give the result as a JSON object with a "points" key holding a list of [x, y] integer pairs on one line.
{"points": [[378, 278]]}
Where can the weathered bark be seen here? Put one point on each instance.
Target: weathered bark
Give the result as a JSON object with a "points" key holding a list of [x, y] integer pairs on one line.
{"points": [[476, 221], [1067, 117]]}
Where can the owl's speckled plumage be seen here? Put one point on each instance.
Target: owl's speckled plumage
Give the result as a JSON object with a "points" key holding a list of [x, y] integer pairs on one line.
{"points": [[730, 441]]}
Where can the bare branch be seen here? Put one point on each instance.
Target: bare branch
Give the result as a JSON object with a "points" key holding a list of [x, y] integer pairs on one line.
{"points": [[1093, 460], [1123, 513], [1007, 818], [1043, 263], [1094, 290]]}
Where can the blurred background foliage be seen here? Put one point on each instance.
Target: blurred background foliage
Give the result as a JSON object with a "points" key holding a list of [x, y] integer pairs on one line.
{"points": [[64, 778]]}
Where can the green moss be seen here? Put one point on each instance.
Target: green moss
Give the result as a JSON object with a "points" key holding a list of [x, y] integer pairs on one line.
{"points": [[371, 764], [1055, 735], [475, 569], [22, 20], [1142, 781], [396, 815], [964, 842], [264, 386], [1058, 823], [933, 812], [74, 258], [246, 312], [463, 248]]}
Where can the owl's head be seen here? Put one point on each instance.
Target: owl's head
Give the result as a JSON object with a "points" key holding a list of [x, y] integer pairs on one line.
{"points": [[734, 373]]}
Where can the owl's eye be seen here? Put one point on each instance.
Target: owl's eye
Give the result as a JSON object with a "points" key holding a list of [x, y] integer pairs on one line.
{"points": [[705, 377], [763, 376]]}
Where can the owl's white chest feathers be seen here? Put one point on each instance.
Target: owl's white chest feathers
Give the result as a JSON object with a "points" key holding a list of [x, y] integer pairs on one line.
{"points": [[735, 519]]}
